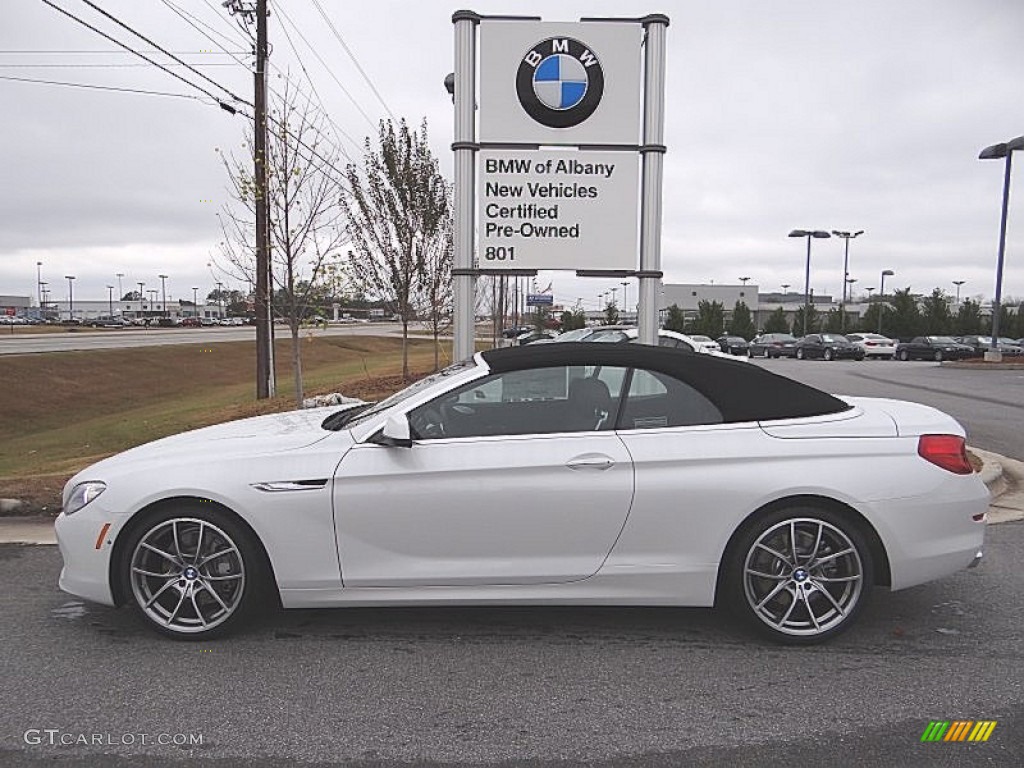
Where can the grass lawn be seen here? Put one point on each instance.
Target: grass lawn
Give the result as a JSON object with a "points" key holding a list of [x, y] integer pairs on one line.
{"points": [[61, 411]]}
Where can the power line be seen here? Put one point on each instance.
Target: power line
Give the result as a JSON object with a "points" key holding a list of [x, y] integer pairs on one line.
{"points": [[140, 55], [195, 22], [355, 61], [330, 72], [163, 50], [100, 66], [100, 87], [309, 79], [106, 53]]}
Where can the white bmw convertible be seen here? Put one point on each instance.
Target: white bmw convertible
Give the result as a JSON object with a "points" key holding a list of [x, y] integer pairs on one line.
{"points": [[565, 474]]}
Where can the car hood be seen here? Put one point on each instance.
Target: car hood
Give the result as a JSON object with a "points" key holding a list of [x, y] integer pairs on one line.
{"points": [[258, 436]]}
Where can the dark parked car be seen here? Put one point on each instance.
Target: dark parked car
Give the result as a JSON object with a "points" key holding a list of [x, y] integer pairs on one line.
{"points": [[982, 344], [933, 348], [772, 345], [519, 330], [734, 345], [827, 346]]}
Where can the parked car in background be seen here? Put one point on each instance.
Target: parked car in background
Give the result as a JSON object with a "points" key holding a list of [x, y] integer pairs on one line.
{"points": [[873, 344], [709, 344], [519, 330], [826, 346], [772, 345], [532, 336], [933, 348], [659, 486], [666, 338], [190, 322], [982, 344], [734, 345]]}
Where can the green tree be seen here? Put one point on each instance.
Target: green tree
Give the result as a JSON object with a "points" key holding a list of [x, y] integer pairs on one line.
{"points": [[1007, 321], [834, 321], [742, 324], [776, 322], [800, 328], [936, 319], [710, 318], [571, 319], [611, 314], [396, 209], [675, 319], [968, 318], [902, 318]]}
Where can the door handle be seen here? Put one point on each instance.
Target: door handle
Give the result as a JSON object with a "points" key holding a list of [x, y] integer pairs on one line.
{"points": [[591, 462]]}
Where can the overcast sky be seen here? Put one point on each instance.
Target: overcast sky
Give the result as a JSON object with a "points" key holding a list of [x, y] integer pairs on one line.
{"points": [[781, 115]]}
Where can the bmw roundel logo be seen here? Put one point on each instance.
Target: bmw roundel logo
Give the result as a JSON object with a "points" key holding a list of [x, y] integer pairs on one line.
{"points": [[560, 82]]}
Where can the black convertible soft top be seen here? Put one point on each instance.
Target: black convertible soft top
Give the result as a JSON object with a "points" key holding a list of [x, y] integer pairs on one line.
{"points": [[742, 391]]}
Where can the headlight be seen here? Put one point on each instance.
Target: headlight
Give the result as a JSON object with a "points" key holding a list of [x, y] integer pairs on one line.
{"points": [[82, 494]]}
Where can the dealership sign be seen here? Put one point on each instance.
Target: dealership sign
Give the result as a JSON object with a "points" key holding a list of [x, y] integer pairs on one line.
{"points": [[552, 209]]}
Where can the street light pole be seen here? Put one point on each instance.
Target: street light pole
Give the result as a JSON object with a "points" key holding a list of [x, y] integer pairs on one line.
{"points": [[808, 233], [71, 297], [120, 290], [141, 297], [958, 283], [994, 152], [847, 236], [195, 302], [625, 301], [110, 301], [39, 284], [163, 288], [881, 297]]}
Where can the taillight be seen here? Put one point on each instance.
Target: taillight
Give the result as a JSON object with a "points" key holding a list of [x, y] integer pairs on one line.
{"points": [[946, 451]]}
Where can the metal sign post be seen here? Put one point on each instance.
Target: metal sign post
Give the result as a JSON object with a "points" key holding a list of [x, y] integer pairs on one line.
{"points": [[560, 154]]}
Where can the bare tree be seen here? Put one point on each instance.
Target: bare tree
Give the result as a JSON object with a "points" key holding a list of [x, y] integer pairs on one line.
{"points": [[434, 290], [397, 207], [306, 217]]}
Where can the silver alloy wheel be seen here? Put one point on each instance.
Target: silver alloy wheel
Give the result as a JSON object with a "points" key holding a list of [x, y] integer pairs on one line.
{"points": [[800, 354], [827, 354], [803, 577], [187, 575]]}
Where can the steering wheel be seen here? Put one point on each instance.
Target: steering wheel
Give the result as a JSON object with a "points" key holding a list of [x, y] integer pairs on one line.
{"points": [[426, 423]]}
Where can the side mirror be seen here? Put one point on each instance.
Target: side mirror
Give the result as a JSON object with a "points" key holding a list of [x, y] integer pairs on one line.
{"points": [[395, 433]]}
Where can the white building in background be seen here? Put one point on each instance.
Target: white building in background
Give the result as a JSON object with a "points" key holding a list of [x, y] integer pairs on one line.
{"points": [[130, 310]]}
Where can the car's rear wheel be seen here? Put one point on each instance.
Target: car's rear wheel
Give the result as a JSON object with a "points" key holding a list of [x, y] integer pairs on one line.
{"points": [[191, 573], [938, 356], [904, 355], [799, 354], [799, 575], [766, 354], [828, 354]]}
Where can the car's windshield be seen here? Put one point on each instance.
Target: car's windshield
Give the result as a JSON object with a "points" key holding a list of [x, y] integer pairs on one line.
{"points": [[833, 337], [412, 389]]}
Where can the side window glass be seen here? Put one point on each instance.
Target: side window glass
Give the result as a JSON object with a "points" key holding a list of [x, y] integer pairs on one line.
{"points": [[533, 401], [656, 400]]}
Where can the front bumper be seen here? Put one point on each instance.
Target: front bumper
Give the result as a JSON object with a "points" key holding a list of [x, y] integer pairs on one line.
{"points": [[86, 542]]}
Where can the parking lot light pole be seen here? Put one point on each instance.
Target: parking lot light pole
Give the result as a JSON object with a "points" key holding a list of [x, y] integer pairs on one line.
{"points": [[110, 301], [163, 287], [120, 289], [71, 296], [195, 302], [881, 297], [958, 283], [847, 237], [995, 152], [808, 233], [141, 297], [39, 284]]}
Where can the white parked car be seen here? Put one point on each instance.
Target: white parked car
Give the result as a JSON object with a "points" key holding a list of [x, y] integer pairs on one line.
{"points": [[873, 344], [653, 476], [706, 342], [666, 338]]}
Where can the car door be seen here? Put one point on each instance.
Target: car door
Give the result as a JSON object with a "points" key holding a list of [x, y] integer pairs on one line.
{"points": [[516, 478]]}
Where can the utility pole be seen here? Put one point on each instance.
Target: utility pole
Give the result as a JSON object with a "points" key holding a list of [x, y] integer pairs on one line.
{"points": [[265, 384]]}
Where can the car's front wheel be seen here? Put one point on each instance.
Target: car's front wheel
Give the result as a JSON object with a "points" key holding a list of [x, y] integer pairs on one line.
{"points": [[799, 575], [828, 354], [904, 355], [192, 573], [799, 354], [938, 356]]}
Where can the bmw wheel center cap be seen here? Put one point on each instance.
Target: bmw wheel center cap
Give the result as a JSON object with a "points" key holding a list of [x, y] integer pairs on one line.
{"points": [[560, 82]]}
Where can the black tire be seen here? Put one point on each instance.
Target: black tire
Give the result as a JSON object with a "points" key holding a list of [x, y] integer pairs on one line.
{"points": [[800, 354], [807, 602], [767, 354], [828, 354], [938, 356], [903, 355], [193, 596]]}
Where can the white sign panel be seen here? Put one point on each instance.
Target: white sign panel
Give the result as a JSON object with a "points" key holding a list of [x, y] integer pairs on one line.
{"points": [[559, 82], [552, 209]]}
